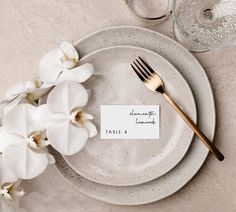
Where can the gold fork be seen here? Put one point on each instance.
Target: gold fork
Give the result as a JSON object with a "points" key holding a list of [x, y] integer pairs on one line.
{"points": [[153, 81]]}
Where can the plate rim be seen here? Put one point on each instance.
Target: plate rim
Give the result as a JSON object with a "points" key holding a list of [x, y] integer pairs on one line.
{"points": [[115, 200], [193, 102]]}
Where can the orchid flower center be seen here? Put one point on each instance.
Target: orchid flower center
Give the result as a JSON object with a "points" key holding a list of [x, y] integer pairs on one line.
{"points": [[31, 86], [67, 61], [9, 191], [79, 118], [65, 58], [6, 191], [30, 97], [36, 140]]}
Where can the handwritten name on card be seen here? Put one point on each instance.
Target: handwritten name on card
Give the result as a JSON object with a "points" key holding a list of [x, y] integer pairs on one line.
{"points": [[130, 121]]}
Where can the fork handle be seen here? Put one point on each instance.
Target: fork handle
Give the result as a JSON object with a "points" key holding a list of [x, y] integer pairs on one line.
{"points": [[194, 127]]}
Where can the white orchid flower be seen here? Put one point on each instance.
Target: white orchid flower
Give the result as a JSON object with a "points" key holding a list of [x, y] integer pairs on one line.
{"points": [[61, 64], [26, 92], [68, 126], [23, 142], [9, 189]]}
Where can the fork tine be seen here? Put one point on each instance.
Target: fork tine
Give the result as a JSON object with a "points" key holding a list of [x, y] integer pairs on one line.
{"points": [[143, 72], [144, 69], [139, 75], [147, 66]]}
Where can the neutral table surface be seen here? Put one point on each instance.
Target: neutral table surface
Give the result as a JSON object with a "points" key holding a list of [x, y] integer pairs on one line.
{"points": [[29, 28]]}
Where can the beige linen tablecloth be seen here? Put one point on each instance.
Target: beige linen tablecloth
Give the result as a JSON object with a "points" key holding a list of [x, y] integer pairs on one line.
{"points": [[29, 28]]}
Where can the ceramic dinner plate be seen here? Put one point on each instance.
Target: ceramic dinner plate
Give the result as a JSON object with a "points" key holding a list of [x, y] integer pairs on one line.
{"points": [[194, 74], [130, 162]]}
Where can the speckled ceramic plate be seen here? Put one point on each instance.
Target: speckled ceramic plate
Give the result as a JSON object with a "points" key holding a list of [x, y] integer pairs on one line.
{"points": [[197, 79], [130, 162]]}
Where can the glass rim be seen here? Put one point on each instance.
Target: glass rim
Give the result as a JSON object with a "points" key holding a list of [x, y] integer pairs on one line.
{"points": [[168, 11]]}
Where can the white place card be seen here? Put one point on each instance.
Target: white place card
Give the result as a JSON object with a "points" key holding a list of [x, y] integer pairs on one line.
{"points": [[130, 121]]}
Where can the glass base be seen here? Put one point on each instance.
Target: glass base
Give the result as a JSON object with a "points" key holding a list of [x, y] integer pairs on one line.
{"points": [[190, 45]]}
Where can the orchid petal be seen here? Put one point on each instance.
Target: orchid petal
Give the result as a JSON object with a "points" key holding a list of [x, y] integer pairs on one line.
{"points": [[89, 93], [44, 117], [23, 88], [14, 91], [7, 139], [6, 176], [30, 85], [66, 138], [47, 85], [21, 120], [91, 128], [79, 74], [26, 163], [50, 67], [67, 96], [87, 116], [18, 100]]}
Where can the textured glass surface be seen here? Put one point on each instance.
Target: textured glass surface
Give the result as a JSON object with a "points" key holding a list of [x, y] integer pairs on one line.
{"points": [[205, 24]]}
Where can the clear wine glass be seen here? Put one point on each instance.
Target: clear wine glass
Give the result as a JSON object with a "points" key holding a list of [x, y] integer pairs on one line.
{"points": [[150, 11], [201, 25]]}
